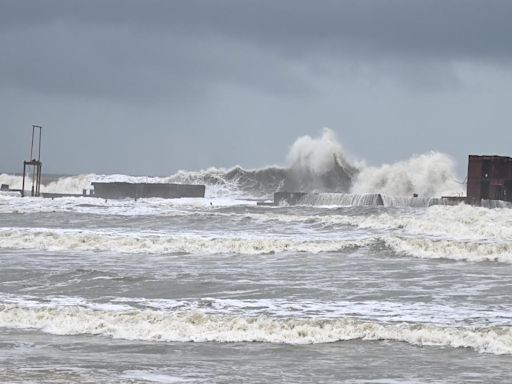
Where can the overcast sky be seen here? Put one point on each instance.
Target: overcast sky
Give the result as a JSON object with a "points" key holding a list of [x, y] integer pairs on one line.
{"points": [[150, 87]]}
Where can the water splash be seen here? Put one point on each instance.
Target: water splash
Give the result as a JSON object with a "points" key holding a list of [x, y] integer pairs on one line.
{"points": [[429, 175], [315, 164]]}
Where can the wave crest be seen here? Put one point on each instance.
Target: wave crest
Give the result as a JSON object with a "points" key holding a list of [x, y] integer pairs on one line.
{"points": [[428, 175], [195, 326], [314, 165], [92, 241]]}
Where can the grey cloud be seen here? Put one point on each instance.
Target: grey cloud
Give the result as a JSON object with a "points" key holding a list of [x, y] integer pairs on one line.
{"points": [[465, 28], [155, 85], [111, 62], [180, 50]]}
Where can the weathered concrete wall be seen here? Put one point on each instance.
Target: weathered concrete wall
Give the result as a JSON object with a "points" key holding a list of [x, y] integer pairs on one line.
{"points": [[376, 199], [325, 198], [121, 190]]}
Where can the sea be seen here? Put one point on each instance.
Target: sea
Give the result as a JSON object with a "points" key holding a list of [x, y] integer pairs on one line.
{"points": [[222, 290]]}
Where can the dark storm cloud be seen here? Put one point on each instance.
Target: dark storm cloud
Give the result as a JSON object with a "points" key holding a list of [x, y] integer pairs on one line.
{"points": [[151, 86], [179, 49], [435, 27]]}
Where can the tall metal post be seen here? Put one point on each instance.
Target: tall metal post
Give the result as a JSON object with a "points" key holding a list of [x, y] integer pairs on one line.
{"points": [[39, 150], [23, 182], [32, 145], [34, 165]]}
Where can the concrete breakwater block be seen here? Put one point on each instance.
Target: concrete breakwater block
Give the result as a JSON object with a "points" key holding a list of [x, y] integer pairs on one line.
{"points": [[123, 190]]}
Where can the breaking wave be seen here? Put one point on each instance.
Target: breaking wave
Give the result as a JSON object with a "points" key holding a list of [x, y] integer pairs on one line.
{"points": [[401, 245], [460, 232], [195, 326], [451, 249], [461, 222], [314, 165], [92, 241], [428, 175]]}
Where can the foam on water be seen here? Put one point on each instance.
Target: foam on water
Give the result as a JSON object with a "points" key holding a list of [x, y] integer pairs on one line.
{"points": [[378, 311], [126, 207], [215, 282], [450, 249], [152, 376], [68, 184], [462, 222], [452, 232], [96, 241], [195, 326], [450, 222]]}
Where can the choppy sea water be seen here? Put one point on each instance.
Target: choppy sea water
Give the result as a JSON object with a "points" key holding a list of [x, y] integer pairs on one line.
{"points": [[183, 290]]}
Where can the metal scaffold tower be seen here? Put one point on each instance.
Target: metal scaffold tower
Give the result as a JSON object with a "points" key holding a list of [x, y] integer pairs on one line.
{"points": [[33, 166]]}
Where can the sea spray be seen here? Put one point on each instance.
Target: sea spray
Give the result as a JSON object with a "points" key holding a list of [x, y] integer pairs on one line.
{"points": [[314, 165], [319, 165], [429, 175]]}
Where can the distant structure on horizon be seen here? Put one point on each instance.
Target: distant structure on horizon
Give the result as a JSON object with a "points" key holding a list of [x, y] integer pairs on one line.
{"points": [[32, 171], [489, 184], [33, 166], [121, 190], [489, 178]]}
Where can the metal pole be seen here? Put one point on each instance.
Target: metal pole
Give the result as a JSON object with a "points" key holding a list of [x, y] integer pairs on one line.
{"points": [[23, 183], [39, 165], [32, 145], [39, 181], [34, 174], [39, 152]]}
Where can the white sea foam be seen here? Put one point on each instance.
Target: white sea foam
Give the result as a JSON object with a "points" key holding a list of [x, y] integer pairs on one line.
{"points": [[318, 155], [76, 184], [450, 232], [436, 314], [96, 241], [450, 222], [153, 376], [9, 194], [462, 222], [451, 249], [12, 181], [10, 203], [68, 184], [149, 325], [458, 233], [429, 175], [314, 164]]}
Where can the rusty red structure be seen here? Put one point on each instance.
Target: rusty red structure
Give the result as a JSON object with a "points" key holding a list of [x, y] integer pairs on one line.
{"points": [[489, 178]]}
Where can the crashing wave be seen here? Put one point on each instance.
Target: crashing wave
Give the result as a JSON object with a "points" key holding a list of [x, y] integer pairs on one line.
{"points": [[195, 326], [403, 243], [314, 165], [95, 241], [427, 175]]}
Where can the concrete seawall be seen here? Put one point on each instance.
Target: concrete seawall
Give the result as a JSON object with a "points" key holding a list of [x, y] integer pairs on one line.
{"points": [[376, 200], [122, 190]]}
